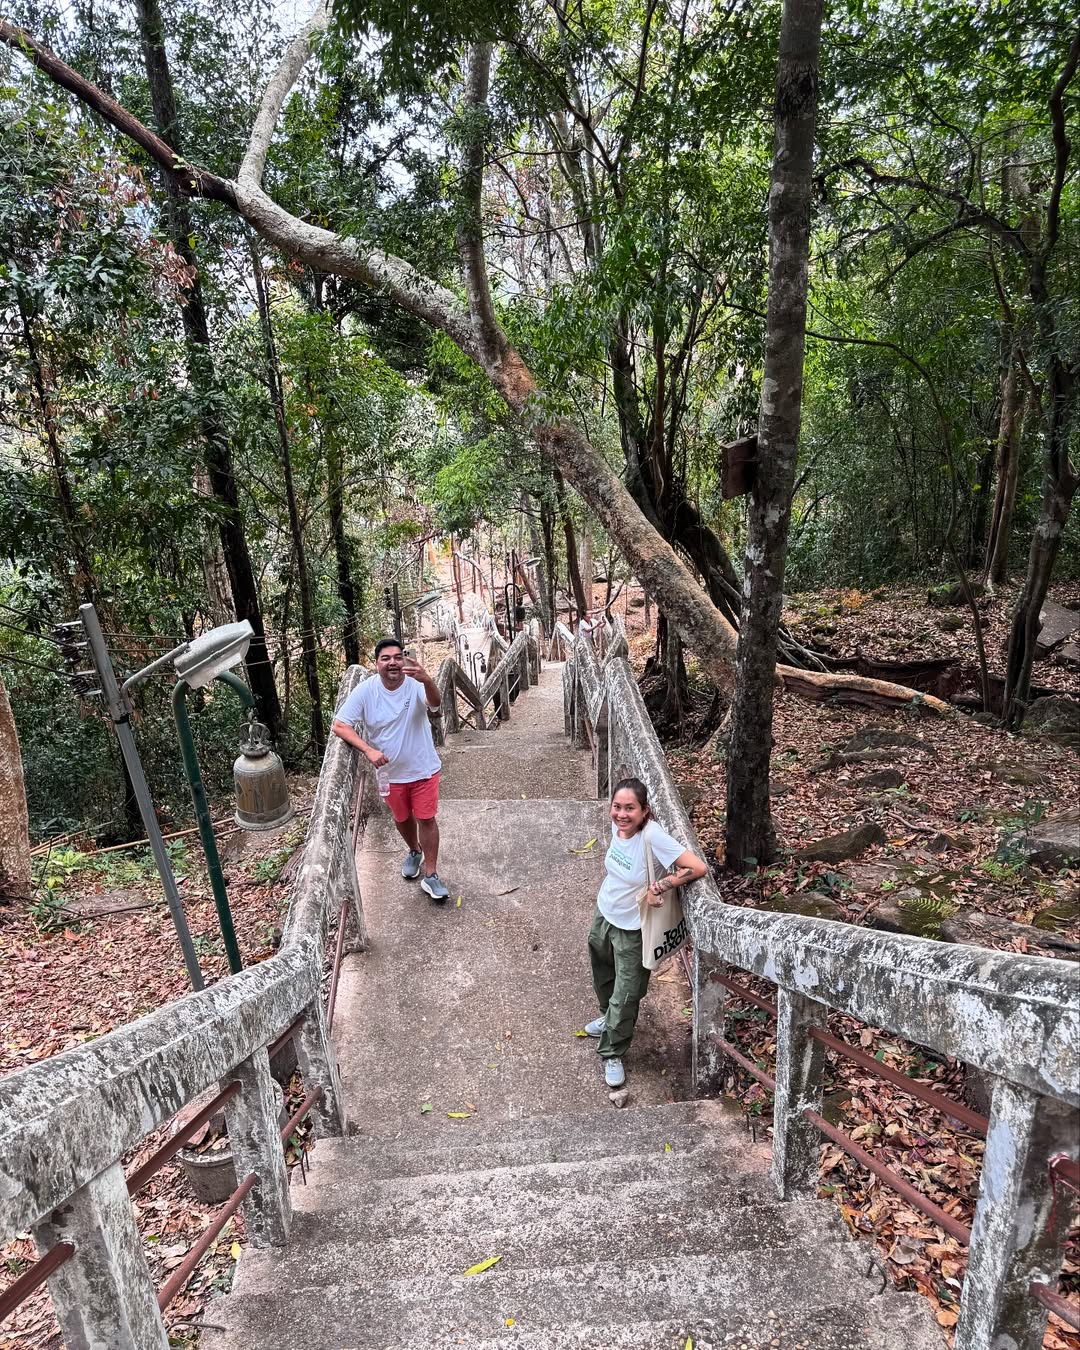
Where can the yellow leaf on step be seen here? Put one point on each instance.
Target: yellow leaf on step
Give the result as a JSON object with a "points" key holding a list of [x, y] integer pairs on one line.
{"points": [[234, 1251], [583, 849], [689, 1344], [459, 1115], [481, 1266], [457, 903], [509, 1321], [581, 1033]]}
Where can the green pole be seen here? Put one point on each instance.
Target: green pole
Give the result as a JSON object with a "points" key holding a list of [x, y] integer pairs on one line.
{"points": [[202, 809]]}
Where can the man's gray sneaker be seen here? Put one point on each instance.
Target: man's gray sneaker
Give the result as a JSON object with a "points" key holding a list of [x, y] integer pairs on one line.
{"points": [[614, 1073], [431, 885], [410, 868], [597, 1026]]}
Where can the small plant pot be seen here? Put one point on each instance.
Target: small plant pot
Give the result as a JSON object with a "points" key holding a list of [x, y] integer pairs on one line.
{"points": [[212, 1175]]}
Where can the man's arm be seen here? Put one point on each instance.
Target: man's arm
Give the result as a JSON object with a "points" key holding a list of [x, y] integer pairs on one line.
{"points": [[352, 737], [431, 690]]}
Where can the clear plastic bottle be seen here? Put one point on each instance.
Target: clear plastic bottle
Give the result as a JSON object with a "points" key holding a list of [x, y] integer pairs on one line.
{"points": [[382, 777]]}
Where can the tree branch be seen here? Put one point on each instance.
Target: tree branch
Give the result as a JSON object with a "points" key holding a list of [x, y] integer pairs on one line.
{"points": [[470, 239], [1061, 142], [277, 91], [189, 180]]}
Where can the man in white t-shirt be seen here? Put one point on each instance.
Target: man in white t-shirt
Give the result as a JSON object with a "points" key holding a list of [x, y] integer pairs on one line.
{"points": [[393, 710]]}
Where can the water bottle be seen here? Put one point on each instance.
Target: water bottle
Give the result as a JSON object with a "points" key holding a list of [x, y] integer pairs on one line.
{"points": [[382, 777]]}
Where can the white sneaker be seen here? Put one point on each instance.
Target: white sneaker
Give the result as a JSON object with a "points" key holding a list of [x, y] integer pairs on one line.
{"points": [[597, 1026], [614, 1073]]}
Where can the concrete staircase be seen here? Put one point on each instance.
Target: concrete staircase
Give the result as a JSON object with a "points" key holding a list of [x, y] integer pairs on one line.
{"points": [[647, 1227]]}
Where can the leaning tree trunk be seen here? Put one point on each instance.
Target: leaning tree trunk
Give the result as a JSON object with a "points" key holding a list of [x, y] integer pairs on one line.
{"points": [[750, 832], [1010, 426], [309, 647], [14, 819], [217, 453]]}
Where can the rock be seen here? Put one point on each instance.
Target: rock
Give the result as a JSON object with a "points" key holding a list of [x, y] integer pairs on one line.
{"points": [[951, 593], [910, 912], [1053, 843], [883, 778], [1063, 915], [1019, 775], [1057, 717], [1058, 625], [950, 623], [946, 843], [976, 929], [1068, 655], [875, 737], [868, 877], [838, 848], [810, 904], [620, 1097]]}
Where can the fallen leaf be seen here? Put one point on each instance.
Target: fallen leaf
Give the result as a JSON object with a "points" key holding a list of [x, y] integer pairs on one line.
{"points": [[234, 1251], [509, 1321], [583, 849], [509, 890], [457, 903], [481, 1266], [459, 1115], [469, 1106], [946, 1317], [689, 1344], [667, 1148], [581, 1033], [426, 1109]]}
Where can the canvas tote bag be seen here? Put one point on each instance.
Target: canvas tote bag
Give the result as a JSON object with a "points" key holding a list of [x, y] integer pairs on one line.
{"points": [[663, 927]]}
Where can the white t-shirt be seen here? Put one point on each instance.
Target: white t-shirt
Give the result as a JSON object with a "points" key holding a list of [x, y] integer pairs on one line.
{"points": [[395, 721], [627, 872]]}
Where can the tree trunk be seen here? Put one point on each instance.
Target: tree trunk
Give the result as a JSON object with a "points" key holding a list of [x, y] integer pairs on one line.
{"points": [[572, 570], [750, 832], [309, 646], [217, 452], [551, 559], [220, 607], [1010, 428], [14, 819], [536, 547], [346, 587]]}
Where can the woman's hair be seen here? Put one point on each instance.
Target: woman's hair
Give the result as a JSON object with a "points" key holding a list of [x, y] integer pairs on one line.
{"points": [[640, 791]]}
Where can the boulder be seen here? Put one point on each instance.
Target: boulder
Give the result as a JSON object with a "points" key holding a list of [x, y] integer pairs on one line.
{"points": [[810, 904], [950, 623], [976, 929], [837, 848], [1057, 717], [910, 912], [1055, 842], [1019, 775], [1058, 625], [947, 843], [883, 778], [875, 737], [1068, 655]]}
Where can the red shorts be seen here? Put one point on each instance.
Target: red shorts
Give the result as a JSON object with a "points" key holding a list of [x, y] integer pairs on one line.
{"points": [[419, 799]]}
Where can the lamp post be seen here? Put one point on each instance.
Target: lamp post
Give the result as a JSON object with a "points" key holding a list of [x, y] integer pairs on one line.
{"points": [[197, 663]]}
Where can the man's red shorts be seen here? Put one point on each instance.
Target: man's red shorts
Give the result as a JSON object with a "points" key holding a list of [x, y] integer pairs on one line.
{"points": [[419, 799]]}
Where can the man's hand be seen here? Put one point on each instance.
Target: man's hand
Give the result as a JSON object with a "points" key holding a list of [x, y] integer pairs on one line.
{"points": [[376, 757], [412, 667]]}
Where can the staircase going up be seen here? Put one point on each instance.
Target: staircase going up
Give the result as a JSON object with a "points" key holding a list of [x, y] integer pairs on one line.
{"points": [[652, 1226]]}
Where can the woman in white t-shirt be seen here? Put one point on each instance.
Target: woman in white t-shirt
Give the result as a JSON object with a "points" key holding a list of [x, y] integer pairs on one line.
{"points": [[619, 978]]}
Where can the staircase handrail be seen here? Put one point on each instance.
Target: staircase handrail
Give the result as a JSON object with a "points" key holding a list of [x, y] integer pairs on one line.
{"points": [[1014, 1016], [67, 1121]]}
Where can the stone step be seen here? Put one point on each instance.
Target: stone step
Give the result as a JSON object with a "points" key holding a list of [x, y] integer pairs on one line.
{"points": [[468, 1201], [438, 1144], [743, 1291], [335, 1243]]}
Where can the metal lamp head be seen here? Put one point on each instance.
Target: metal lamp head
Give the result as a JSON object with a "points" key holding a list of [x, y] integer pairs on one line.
{"points": [[210, 655], [262, 798]]}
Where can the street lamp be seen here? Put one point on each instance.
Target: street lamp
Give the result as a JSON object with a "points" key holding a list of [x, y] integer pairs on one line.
{"points": [[197, 663]]}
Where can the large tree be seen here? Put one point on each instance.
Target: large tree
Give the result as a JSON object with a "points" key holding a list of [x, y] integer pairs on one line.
{"points": [[474, 326]]}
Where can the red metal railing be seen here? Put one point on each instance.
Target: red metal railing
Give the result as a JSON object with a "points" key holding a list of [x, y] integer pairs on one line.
{"points": [[19, 1290]]}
